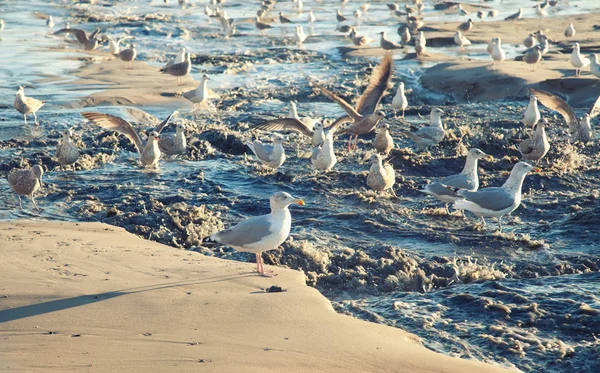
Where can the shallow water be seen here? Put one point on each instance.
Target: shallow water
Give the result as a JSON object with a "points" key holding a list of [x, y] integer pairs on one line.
{"points": [[527, 297]]}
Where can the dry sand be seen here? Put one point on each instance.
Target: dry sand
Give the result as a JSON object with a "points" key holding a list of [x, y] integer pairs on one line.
{"points": [[92, 297]]}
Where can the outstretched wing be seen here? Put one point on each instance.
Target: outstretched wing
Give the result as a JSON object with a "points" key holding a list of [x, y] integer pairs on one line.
{"points": [[378, 83], [346, 106], [595, 109], [79, 34], [165, 122], [556, 103], [117, 124], [284, 124], [140, 116]]}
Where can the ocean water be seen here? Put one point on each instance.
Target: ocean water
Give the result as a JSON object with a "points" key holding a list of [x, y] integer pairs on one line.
{"points": [[526, 298]]}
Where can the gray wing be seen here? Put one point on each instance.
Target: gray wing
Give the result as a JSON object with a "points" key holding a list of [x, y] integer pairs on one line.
{"points": [[378, 83], [246, 232], [167, 144], [79, 34], [346, 106], [338, 122], [556, 103], [94, 34], [494, 199], [595, 109], [285, 124], [165, 122], [263, 151], [459, 181], [113, 123], [177, 69], [525, 147], [428, 133], [441, 190]]}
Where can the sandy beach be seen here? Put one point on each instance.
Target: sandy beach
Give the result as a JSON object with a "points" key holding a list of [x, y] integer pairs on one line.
{"points": [[92, 297]]}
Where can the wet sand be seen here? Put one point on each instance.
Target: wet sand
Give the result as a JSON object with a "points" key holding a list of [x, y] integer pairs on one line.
{"points": [[92, 297]]}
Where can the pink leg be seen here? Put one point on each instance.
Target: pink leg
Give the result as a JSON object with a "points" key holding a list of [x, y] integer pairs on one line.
{"points": [[355, 141], [349, 142], [262, 269], [258, 262]]}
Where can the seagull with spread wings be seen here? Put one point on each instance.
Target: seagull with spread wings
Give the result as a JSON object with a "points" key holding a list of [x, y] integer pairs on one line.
{"points": [[90, 42], [579, 130], [149, 152], [364, 116]]}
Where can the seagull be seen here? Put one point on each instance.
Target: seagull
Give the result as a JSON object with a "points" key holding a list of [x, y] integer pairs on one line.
{"points": [[67, 152], [261, 26], [530, 41], [393, 7], [498, 54], [317, 135], [199, 95], [492, 13], [49, 22], [419, 48], [532, 113], [579, 132], [149, 152], [90, 42], [480, 14], [595, 67], [578, 60], [518, 15], [383, 142], [400, 102], [311, 17], [585, 129], [26, 182], [421, 39], [175, 145], [272, 156], [260, 233], [536, 147], [179, 70], [2, 24], [497, 201], [323, 156], [300, 36], [461, 11], [388, 44], [113, 45], [540, 11], [381, 177], [405, 35], [446, 189], [466, 26], [179, 58], [460, 40], [284, 19], [533, 55], [490, 46], [359, 40], [308, 121], [429, 135], [570, 31], [127, 55], [545, 46], [364, 116], [27, 105], [340, 17]]}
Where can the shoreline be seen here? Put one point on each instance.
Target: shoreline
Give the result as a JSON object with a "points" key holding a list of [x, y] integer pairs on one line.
{"points": [[89, 296]]}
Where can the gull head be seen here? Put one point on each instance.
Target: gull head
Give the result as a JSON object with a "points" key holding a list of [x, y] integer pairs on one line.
{"points": [[380, 114], [318, 126], [401, 86], [205, 77], [576, 47], [67, 134], [20, 90], [533, 98], [281, 200], [375, 158], [436, 113], [154, 136], [180, 127], [384, 127], [478, 154], [278, 139], [522, 168]]}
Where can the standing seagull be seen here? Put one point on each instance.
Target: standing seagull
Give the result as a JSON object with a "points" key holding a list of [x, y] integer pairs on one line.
{"points": [[400, 102], [323, 156], [387, 44], [430, 135], [272, 156], [50, 22], [461, 40], [383, 142], [90, 42], [179, 70], [595, 67], [532, 113], [364, 116], [518, 15], [174, 145], [381, 177], [199, 95], [26, 182], [446, 189], [570, 31], [533, 55], [260, 233], [27, 105], [149, 152], [67, 152], [536, 147], [498, 201], [127, 55], [498, 54], [466, 26], [578, 60]]}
